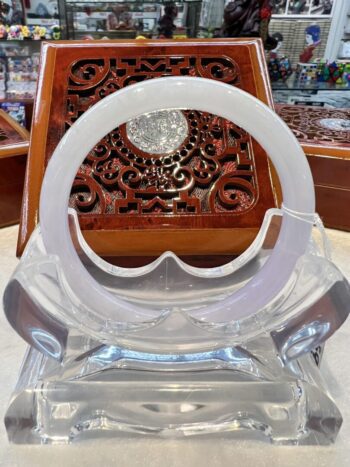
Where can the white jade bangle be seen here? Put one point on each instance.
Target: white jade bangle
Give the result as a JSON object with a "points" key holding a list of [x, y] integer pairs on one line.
{"points": [[179, 93]]}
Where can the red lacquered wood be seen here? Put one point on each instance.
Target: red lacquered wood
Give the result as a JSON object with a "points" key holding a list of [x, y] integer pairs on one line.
{"points": [[129, 202], [328, 153]]}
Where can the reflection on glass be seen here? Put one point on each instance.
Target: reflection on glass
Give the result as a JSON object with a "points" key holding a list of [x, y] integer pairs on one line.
{"points": [[303, 7], [279, 7], [299, 7], [321, 7]]}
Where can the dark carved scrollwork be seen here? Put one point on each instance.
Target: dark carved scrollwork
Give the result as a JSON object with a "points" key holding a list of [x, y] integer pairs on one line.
{"points": [[212, 172], [3, 135], [318, 126]]}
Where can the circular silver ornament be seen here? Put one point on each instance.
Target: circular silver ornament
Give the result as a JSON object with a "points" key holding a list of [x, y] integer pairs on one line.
{"points": [[160, 132], [335, 124]]}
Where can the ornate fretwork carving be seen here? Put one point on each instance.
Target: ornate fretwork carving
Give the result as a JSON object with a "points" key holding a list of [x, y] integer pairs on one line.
{"points": [[317, 126], [212, 172], [3, 135]]}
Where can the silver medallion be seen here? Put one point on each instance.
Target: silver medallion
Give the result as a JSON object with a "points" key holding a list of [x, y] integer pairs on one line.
{"points": [[335, 124], [160, 132]]}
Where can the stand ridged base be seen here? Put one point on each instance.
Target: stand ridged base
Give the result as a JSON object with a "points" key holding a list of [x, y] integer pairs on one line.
{"points": [[216, 400]]}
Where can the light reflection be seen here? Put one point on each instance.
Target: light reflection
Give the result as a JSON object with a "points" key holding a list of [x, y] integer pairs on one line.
{"points": [[46, 342]]}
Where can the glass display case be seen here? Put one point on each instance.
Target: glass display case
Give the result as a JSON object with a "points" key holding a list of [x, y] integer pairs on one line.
{"points": [[108, 19], [19, 65], [119, 20], [303, 7], [307, 65], [23, 26], [315, 30], [45, 13], [19, 68]]}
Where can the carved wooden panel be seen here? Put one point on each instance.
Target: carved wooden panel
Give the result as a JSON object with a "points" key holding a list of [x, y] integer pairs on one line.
{"points": [[211, 172], [317, 126], [325, 137], [217, 178]]}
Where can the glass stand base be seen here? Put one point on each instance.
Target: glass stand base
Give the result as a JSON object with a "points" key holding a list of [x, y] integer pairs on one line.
{"points": [[289, 405]]}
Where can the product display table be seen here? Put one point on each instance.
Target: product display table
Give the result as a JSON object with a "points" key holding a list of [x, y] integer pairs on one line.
{"points": [[324, 134], [200, 451]]}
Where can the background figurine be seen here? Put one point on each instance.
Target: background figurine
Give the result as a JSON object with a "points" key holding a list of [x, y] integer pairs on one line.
{"points": [[297, 6], [36, 33], [312, 39], [327, 7], [273, 66], [323, 73], [335, 72], [241, 18], [42, 32], [120, 18], [276, 52], [56, 32], [14, 33], [346, 74], [265, 18], [26, 34], [279, 65], [248, 18], [279, 6], [3, 31], [6, 11], [285, 68], [166, 26]]}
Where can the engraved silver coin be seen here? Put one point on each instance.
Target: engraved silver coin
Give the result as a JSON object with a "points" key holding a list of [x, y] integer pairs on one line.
{"points": [[160, 132], [335, 124]]}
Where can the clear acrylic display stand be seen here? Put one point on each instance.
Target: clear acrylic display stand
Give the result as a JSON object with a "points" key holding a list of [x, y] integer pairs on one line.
{"points": [[169, 349]]}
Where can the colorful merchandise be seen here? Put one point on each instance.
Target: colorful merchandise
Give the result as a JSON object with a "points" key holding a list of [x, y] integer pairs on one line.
{"points": [[55, 32], [307, 72], [3, 32], [337, 72], [280, 67], [26, 32], [16, 110], [22, 75], [14, 32], [36, 33], [23, 32], [346, 74]]}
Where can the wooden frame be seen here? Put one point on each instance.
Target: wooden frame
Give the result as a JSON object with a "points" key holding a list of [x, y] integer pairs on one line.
{"points": [[17, 140], [328, 153], [139, 235], [14, 144]]}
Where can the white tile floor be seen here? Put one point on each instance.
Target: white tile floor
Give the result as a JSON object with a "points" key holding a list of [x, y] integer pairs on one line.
{"points": [[170, 453]]}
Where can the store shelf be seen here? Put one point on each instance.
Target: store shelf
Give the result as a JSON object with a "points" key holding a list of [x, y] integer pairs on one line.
{"points": [[24, 100], [294, 85], [127, 34], [85, 2]]}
